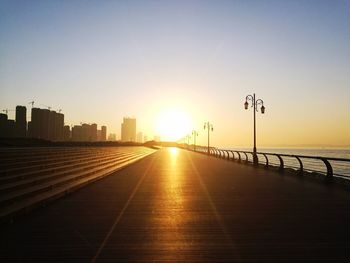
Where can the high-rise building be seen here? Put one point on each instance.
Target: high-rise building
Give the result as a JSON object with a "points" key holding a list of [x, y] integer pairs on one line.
{"points": [[85, 132], [34, 129], [77, 133], [66, 133], [10, 128], [52, 124], [7, 127], [46, 124], [29, 131], [59, 124], [21, 122], [128, 130], [3, 125], [103, 133], [93, 132]]}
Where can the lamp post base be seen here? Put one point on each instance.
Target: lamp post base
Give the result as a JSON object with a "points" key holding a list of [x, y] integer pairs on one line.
{"points": [[255, 159]]}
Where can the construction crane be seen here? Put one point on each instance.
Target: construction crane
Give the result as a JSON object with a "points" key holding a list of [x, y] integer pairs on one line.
{"points": [[7, 111], [32, 102]]}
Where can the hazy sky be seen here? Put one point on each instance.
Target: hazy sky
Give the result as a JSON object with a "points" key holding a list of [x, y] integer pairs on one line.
{"points": [[101, 60]]}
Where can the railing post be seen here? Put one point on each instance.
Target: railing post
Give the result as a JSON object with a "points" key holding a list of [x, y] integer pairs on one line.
{"points": [[329, 168], [233, 155], [301, 171], [246, 157], [228, 154], [239, 156], [281, 168], [267, 160], [223, 154]]}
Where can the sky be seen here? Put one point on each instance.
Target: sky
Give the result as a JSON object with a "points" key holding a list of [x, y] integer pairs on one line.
{"points": [[99, 61]]}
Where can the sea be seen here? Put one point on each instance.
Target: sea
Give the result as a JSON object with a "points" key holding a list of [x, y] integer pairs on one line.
{"points": [[340, 168]]}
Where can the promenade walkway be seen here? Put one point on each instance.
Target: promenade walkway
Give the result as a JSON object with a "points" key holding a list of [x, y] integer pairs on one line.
{"points": [[182, 206]]}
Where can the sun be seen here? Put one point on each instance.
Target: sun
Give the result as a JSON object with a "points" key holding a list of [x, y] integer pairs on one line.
{"points": [[172, 124]]}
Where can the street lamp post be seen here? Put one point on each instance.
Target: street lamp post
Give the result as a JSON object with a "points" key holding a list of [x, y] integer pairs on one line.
{"points": [[208, 126], [255, 104], [195, 134]]}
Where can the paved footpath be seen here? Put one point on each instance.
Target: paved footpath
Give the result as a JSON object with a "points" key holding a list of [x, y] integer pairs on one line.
{"points": [[181, 206]]}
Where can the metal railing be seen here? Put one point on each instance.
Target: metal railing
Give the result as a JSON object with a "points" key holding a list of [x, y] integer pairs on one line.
{"points": [[328, 166]]}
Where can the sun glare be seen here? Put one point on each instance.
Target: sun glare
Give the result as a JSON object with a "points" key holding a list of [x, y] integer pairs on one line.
{"points": [[173, 150], [173, 124]]}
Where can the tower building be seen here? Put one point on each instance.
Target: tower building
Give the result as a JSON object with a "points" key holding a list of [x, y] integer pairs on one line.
{"points": [[128, 130]]}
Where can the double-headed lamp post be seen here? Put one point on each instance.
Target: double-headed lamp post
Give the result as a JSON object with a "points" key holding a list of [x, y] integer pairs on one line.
{"points": [[195, 134], [209, 127], [255, 104]]}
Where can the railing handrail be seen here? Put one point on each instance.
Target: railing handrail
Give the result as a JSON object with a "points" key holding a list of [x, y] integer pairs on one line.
{"points": [[306, 156], [297, 155], [329, 174]]}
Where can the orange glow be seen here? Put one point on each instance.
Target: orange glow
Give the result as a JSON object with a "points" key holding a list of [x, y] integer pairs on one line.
{"points": [[172, 124]]}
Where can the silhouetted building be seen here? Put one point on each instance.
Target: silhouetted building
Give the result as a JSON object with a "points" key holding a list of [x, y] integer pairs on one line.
{"points": [[52, 120], [93, 132], [7, 127], [46, 124], [10, 128], [29, 131], [128, 130], [40, 123], [3, 125], [66, 133], [103, 133], [21, 122], [77, 133], [86, 132], [34, 127], [59, 124]]}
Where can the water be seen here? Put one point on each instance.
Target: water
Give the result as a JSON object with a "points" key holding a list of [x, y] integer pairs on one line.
{"points": [[340, 168]]}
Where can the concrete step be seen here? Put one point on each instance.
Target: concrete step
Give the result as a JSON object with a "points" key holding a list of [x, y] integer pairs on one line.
{"points": [[31, 178], [24, 172], [56, 179], [61, 189], [9, 163], [13, 162]]}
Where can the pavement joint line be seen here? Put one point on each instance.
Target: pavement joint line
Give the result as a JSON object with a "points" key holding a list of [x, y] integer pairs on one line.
{"points": [[213, 207], [105, 240]]}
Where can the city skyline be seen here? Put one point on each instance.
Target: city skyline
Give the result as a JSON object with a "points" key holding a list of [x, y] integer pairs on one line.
{"points": [[48, 125], [196, 61]]}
